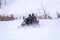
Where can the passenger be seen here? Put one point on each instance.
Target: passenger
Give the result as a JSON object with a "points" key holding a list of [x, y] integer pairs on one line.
{"points": [[29, 19], [33, 18]]}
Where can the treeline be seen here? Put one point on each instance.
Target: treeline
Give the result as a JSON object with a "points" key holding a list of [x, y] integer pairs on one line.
{"points": [[7, 18], [11, 17]]}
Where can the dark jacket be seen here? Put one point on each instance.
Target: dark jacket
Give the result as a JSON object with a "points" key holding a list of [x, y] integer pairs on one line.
{"points": [[33, 18], [29, 20]]}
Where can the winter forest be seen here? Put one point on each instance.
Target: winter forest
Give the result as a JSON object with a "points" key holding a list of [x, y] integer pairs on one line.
{"points": [[42, 9], [29, 19]]}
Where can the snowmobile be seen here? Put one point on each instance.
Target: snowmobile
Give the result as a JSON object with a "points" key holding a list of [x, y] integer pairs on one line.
{"points": [[34, 22]]}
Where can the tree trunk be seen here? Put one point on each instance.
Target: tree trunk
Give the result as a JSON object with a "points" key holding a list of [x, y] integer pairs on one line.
{"points": [[0, 3]]}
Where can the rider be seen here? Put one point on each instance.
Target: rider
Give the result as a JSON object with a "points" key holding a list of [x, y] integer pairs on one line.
{"points": [[33, 18], [29, 19]]}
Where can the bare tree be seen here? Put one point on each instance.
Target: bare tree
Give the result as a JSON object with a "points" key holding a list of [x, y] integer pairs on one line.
{"points": [[58, 15], [5, 2], [0, 3], [44, 10]]}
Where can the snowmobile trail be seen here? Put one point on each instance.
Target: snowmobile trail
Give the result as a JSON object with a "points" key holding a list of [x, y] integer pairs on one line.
{"points": [[31, 25]]}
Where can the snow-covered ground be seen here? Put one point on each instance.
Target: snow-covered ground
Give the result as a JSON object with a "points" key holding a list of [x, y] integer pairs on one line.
{"points": [[49, 29]]}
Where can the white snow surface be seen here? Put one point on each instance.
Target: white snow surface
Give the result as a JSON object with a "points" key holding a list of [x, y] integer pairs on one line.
{"points": [[49, 29]]}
